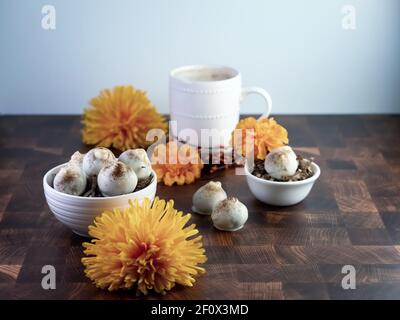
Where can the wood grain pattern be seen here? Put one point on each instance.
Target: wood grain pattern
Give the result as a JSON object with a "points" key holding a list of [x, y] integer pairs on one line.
{"points": [[352, 216]]}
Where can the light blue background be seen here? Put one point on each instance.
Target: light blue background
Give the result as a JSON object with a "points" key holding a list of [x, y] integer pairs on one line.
{"points": [[297, 50]]}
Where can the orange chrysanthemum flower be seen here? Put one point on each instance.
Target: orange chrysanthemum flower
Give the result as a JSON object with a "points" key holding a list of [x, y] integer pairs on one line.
{"points": [[176, 164], [146, 246], [120, 118], [258, 136]]}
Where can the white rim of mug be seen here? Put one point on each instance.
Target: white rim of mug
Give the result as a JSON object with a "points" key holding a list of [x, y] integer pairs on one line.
{"points": [[234, 73]]}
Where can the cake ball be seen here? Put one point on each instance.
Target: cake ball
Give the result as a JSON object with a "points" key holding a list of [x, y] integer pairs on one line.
{"points": [[207, 197], [138, 160], [77, 158], [281, 162], [96, 159], [70, 179], [116, 178], [229, 215]]}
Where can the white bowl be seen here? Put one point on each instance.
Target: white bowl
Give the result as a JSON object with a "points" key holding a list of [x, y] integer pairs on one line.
{"points": [[281, 193], [78, 212]]}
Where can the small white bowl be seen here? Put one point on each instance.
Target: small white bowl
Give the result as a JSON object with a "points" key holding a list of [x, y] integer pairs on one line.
{"points": [[78, 212], [278, 193]]}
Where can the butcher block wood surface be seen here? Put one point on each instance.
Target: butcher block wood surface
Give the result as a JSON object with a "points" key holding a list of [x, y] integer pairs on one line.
{"points": [[351, 217]]}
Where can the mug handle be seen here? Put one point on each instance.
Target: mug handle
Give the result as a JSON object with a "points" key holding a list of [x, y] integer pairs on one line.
{"points": [[261, 92]]}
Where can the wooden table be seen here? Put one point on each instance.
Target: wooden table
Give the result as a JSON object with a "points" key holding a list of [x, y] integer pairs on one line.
{"points": [[352, 216]]}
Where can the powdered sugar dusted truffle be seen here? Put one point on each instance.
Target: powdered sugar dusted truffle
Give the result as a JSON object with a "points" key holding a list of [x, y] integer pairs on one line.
{"points": [[138, 160], [281, 162], [96, 159], [77, 158], [229, 214], [70, 179], [116, 178], [207, 197]]}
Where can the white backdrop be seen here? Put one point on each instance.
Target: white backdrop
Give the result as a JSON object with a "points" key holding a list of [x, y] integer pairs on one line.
{"points": [[297, 50]]}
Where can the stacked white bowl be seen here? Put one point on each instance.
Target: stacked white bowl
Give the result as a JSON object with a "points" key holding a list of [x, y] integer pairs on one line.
{"points": [[78, 212]]}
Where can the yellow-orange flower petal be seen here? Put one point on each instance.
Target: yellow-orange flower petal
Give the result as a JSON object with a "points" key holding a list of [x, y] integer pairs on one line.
{"points": [[120, 118], [176, 164], [258, 136], [147, 246]]}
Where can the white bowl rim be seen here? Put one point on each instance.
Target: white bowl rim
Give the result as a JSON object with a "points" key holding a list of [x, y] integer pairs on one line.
{"points": [[315, 176], [70, 196]]}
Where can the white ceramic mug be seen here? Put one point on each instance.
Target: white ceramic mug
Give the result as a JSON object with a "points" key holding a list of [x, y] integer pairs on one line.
{"points": [[208, 97]]}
